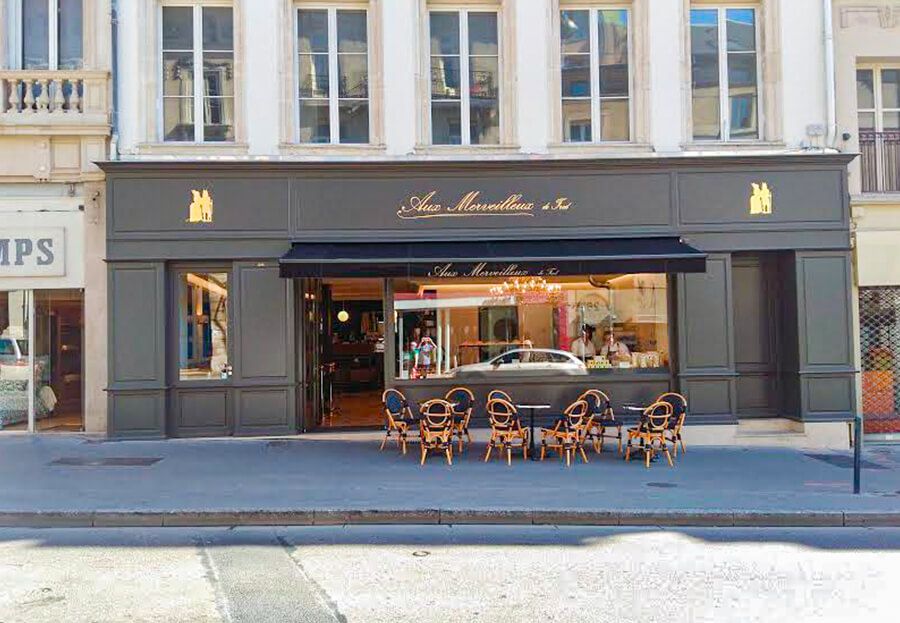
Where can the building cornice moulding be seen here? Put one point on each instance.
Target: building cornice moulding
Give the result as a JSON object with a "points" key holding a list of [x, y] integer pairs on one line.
{"points": [[884, 15]]}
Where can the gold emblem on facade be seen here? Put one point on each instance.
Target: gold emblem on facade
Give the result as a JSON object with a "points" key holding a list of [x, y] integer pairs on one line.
{"points": [[201, 208], [761, 198]]}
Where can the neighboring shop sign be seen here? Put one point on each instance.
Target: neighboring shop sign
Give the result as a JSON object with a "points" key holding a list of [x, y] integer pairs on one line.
{"points": [[473, 203], [39, 252]]}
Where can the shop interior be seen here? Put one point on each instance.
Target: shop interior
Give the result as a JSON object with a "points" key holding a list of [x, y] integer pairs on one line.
{"points": [[51, 355], [352, 352], [612, 322]]}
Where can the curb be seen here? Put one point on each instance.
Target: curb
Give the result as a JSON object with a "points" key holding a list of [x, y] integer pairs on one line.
{"points": [[326, 517]]}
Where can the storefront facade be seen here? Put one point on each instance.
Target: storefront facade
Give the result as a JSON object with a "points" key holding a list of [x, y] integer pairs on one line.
{"points": [[42, 281], [726, 279]]}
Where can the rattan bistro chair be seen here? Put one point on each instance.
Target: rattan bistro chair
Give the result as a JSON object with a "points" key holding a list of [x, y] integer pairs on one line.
{"points": [[397, 416], [568, 435], [604, 419], [676, 422], [462, 401], [506, 430], [436, 429], [651, 432], [495, 394]]}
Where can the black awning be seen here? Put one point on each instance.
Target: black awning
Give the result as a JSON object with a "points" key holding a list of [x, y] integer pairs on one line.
{"points": [[496, 258]]}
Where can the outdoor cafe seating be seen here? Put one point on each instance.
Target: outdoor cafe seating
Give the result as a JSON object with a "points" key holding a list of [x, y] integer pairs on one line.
{"points": [[651, 432], [436, 429], [507, 432], [462, 401], [443, 423], [568, 435]]}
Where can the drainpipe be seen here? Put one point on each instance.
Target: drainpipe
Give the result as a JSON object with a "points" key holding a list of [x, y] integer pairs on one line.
{"points": [[114, 67], [830, 97]]}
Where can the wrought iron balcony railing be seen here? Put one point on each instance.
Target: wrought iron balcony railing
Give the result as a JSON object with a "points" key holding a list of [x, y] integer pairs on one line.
{"points": [[880, 157]]}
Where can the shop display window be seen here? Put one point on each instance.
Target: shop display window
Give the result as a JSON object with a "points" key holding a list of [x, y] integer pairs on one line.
{"points": [[580, 325], [203, 332]]}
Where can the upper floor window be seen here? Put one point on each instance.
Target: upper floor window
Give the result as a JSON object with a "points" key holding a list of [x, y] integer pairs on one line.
{"points": [[878, 101], [724, 74], [46, 34], [333, 67], [465, 77], [595, 75], [197, 38]]}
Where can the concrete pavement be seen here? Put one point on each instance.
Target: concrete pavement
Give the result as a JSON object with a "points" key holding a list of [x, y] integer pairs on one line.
{"points": [[447, 574], [337, 479]]}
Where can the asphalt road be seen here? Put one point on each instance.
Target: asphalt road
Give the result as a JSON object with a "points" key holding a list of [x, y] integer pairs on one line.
{"points": [[455, 573]]}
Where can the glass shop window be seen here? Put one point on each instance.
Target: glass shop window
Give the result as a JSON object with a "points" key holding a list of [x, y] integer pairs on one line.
{"points": [[579, 325], [203, 333]]}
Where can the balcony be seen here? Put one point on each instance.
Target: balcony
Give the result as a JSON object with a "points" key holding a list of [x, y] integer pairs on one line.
{"points": [[880, 157], [54, 102]]}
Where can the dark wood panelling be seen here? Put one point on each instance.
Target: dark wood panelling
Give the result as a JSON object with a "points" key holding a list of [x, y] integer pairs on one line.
{"points": [[824, 284], [136, 325], [136, 414], [264, 411], [202, 412], [263, 324], [718, 198], [705, 317]]}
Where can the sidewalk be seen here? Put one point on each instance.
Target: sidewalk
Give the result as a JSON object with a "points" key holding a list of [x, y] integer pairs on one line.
{"points": [[332, 478]]}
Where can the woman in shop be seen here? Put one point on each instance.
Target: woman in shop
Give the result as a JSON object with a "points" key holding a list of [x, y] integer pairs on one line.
{"points": [[583, 346], [614, 350]]}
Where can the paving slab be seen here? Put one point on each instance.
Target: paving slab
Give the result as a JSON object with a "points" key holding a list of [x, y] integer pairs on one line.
{"points": [[337, 479]]}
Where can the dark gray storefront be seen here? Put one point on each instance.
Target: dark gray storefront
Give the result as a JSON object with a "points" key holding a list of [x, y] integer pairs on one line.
{"points": [[765, 330]]}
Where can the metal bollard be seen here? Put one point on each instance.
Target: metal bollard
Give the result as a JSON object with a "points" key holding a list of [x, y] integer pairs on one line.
{"points": [[857, 451]]}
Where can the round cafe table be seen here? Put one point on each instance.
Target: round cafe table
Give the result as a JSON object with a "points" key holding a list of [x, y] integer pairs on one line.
{"points": [[531, 409]]}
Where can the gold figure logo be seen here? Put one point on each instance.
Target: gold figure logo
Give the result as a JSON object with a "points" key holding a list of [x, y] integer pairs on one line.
{"points": [[761, 199], [201, 208]]}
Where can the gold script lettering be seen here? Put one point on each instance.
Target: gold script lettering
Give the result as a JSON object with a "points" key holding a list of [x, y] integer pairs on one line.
{"points": [[472, 204]]}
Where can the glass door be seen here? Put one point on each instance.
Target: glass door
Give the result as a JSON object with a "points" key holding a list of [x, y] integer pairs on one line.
{"points": [[16, 379], [312, 329]]}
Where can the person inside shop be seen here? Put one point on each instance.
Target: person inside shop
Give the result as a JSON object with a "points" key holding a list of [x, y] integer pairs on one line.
{"points": [[426, 348], [613, 349], [583, 346]]}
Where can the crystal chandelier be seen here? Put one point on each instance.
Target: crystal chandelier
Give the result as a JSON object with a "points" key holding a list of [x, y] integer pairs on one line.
{"points": [[532, 289]]}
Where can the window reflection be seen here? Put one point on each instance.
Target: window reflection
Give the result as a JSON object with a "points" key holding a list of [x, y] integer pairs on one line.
{"points": [[203, 338], [606, 323]]}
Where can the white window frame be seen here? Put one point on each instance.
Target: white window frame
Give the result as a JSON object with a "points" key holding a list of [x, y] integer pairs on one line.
{"points": [[334, 110], [462, 14], [879, 110], [724, 104], [17, 36], [596, 98], [197, 13]]}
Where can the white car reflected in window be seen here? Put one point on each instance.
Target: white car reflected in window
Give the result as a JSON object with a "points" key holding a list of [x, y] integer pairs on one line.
{"points": [[524, 362]]}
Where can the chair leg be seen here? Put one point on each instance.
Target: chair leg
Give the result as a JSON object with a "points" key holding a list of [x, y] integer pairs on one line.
{"points": [[668, 455], [383, 442], [508, 454], [647, 450], [628, 451], [583, 455], [424, 453], [620, 441], [403, 443], [449, 454], [683, 450], [487, 455], [543, 451]]}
